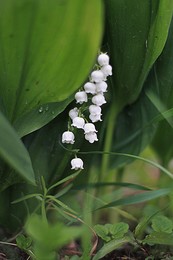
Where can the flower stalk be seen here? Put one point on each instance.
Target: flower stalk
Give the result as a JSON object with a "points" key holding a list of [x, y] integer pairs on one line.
{"points": [[93, 92]]}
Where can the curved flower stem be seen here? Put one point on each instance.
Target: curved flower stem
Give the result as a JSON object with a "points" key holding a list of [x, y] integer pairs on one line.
{"points": [[108, 140]]}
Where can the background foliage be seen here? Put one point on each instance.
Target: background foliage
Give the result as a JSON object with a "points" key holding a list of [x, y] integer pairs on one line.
{"points": [[47, 50]]}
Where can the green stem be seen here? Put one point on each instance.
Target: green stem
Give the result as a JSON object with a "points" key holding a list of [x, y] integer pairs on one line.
{"points": [[31, 254], [108, 140], [43, 210], [104, 175], [43, 203]]}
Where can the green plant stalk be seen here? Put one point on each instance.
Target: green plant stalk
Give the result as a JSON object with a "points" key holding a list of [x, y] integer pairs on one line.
{"points": [[43, 203], [154, 164], [105, 175], [86, 237], [43, 210], [31, 254], [108, 142], [88, 218]]}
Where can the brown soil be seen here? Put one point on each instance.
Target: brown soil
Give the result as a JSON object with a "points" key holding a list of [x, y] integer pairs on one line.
{"points": [[145, 253], [126, 253], [12, 253]]}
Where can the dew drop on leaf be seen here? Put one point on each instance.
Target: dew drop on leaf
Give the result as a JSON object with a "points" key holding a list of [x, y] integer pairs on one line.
{"points": [[40, 110]]}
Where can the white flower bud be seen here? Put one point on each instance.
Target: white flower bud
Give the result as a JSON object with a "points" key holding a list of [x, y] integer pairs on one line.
{"points": [[89, 127], [68, 137], [73, 113], [90, 88], [95, 118], [76, 164], [101, 87], [97, 76], [103, 59], [95, 110], [107, 70], [91, 137], [78, 122], [99, 100], [81, 97]]}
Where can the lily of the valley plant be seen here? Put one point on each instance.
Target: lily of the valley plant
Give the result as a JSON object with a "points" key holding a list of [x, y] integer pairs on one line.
{"points": [[92, 93]]}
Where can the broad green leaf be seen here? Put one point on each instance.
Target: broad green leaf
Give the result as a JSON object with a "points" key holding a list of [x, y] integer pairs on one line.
{"points": [[118, 230], [43, 146], [111, 246], [160, 238], [137, 123], [16, 213], [13, 151], [162, 224], [38, 117], [110, 232], [138, 198], [47, 49], [162, 145], [165, 83], [136, 34], [102, 232], [164, 77], [23, 242]]}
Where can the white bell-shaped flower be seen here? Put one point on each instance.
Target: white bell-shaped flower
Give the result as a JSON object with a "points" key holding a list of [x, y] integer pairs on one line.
{"points": [[107, 70], [95, 118], [103, 59], [97, 76], [81, 97], [101, 87], [91, 137], [89, 127], [73, 113], [90, 88], [68, 137], [95, 110], [98, 99], [78, 122], [76, 164]]}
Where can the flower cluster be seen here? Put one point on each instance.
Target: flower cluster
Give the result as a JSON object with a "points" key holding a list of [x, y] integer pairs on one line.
{"points": [[91, 94]]}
